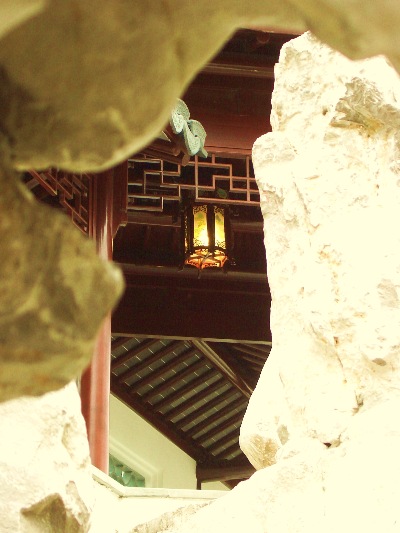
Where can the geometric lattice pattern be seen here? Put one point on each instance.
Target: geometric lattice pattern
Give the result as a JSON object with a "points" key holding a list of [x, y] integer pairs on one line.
{"points": [[73, 192], [152, 182], [124, 474]]}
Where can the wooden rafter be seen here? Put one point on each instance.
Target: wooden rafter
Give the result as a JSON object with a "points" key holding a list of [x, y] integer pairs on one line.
{"points": [[179, 409], [240, 403], [206, 407], [130, 354], [163, 369], [186, 389], [173, 380], [131, 372], [226, 452], [118, 342], [220, 428], [231, 369], [226, 439]]}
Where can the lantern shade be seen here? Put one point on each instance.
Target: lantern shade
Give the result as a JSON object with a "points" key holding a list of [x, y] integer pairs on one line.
{"points": [[205, 243]]}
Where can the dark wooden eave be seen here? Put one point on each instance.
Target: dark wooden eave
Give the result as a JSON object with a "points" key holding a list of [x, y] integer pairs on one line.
{"points": [[195, 392], [187, 351], [169, 303]]}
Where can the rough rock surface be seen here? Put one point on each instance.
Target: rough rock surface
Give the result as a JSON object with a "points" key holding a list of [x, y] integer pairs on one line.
{"points": [[330, 187], [323, 420], [110, 77], [50, 274], [100, 83], [14, 12], [45, 472]]}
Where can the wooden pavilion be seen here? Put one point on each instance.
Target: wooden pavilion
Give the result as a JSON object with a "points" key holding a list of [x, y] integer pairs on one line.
{"points": [[187, 344]]}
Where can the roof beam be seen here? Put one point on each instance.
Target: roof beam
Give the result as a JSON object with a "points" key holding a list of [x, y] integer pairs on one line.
{"points": [[255, 352], [243, 69], [215, 306], [216, 472], [230, 368]]}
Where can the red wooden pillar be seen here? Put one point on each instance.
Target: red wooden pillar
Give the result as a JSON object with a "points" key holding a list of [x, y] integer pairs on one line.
{"points": [[109, 210]]}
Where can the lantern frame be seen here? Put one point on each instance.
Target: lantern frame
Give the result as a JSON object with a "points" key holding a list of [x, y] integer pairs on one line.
{"points": [[210, 252]]}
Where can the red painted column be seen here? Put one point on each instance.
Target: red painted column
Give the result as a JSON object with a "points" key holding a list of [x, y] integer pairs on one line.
{"points": [[95, 382]]}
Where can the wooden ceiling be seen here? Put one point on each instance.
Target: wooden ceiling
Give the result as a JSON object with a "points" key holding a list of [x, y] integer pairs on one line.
{"points": [[187, 350], [196, 346], [195, 392]]}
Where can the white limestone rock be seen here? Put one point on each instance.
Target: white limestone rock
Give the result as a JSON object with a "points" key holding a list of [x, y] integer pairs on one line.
{"points": [[359, 29], [45, 469], [50, 274], [83, 88], [329, 178], [273, 499], [329, 181]]}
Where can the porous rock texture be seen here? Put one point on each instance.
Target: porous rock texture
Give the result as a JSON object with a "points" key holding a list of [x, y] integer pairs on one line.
{"points": [[82, 88], [50, 305], [329, 177], [322, 426], [14, 12], [46, 483]]}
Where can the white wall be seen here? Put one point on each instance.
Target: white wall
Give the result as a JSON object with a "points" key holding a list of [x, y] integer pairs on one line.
{"points": [[148, 452], [119, 508]]}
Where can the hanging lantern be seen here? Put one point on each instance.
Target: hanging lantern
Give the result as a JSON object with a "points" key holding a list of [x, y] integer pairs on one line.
{"points": [[205, 241]]}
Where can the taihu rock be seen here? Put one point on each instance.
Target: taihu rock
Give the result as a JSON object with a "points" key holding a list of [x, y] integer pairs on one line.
{"points": [[50, 303], [82, 88], [322, 425], [45, 465]]}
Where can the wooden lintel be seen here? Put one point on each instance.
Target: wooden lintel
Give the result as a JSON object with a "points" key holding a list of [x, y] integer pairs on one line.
{"points": [[226, 68], [206, 473], [214, 308], [145, 219], [246, 226]]}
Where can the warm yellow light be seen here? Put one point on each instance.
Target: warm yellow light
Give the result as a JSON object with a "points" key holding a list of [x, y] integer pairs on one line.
{"points": [[203, 253], [219, 229], [200, 229]]}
